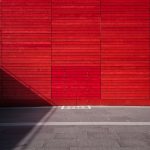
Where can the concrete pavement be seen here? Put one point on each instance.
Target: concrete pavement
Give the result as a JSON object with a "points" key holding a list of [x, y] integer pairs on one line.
{"points": [[98, 128]]}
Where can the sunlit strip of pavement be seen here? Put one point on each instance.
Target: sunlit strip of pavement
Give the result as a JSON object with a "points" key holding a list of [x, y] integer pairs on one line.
{"points": [[77, 123]]}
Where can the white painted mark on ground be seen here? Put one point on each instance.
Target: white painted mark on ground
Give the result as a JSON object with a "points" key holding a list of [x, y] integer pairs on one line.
{"points": [[77, 123], [75, 107], [62, 107]]}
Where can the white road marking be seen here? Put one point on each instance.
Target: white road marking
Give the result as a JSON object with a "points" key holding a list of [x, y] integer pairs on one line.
{"points": [[89, 107], [75, 107], [77, 123], [62, 107]]}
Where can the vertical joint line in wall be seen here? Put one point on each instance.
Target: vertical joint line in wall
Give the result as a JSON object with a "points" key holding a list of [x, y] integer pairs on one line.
{"points": [[1, 44], [1, 53], [51, 46], [100, 51], [149, 46], [50, 54]]}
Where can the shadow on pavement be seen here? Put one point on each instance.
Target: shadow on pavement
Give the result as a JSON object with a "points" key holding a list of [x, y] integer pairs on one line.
{"points": [[20, 137], [14, 93]]}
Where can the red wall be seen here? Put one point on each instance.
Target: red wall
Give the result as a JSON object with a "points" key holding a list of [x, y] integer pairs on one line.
{"points": [[75, 52]]}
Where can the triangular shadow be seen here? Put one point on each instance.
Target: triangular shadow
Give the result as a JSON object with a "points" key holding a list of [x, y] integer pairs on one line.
{"points": [[13, 93]]}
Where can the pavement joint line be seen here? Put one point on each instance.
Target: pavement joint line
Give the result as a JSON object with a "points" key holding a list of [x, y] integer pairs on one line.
{"points": [[76, 123]]}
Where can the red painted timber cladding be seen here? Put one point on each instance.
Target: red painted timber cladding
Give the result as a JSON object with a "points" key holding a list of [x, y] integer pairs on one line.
{"points": [[26, 44], [80, 52], [125, 52], [76, 51]]}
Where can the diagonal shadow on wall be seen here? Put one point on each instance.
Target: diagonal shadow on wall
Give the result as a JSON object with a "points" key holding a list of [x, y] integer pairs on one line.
{"points": [[13, 93]]}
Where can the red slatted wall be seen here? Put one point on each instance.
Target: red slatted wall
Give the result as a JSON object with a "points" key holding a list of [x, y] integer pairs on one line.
{"points": [[125, 51], [75, 52], [26, 45]]}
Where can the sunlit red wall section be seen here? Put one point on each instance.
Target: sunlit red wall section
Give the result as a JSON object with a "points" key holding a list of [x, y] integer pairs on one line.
{"points": [[74, 52]]}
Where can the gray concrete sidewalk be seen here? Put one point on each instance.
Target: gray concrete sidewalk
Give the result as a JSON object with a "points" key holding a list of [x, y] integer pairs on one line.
{"points": [[84, 129]]}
